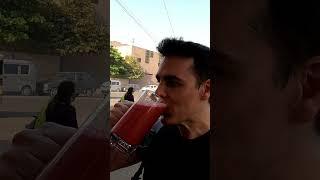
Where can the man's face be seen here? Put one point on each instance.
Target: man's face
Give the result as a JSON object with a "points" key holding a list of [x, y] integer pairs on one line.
{"points": [[251, 113], [179, 90]]}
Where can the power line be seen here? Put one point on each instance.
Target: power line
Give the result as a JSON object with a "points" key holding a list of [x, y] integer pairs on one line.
{"points": [[164, 3], [136, 20]]}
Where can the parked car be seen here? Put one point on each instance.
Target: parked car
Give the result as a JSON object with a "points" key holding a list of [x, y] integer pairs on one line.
{"points": [[149, 87], [115, 85], [18, 77], [85, 83]]}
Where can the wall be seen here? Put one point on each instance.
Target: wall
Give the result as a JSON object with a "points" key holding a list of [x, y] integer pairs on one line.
{"points": [[94, 64], [150, 68]]}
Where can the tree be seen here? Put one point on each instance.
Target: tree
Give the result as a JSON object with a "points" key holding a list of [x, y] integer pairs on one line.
{"points": [[57, 26], [84, 34], [135, 71], [121, 67], [19, 19], [118, 67]]}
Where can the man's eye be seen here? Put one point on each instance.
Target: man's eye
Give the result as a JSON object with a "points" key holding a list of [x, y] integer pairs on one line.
{"points": [[172, 84]]}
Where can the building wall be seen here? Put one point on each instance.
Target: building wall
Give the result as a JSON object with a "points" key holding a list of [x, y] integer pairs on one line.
{"points": [[150, 67], [125, 50], [116, 44]]}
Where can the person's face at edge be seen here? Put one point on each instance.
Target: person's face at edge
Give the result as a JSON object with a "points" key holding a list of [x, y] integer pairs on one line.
{"points": [[251, 113]]}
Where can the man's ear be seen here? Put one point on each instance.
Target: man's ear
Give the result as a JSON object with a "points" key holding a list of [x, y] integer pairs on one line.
{"points": [[205, 90], [309, 104]]}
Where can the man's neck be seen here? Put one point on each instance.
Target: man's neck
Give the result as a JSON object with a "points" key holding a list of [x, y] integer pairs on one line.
{"points": [[197, 125]]}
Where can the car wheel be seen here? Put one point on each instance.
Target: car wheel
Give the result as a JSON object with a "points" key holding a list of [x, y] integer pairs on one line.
{"points": [[26, 91], [53, 91]]}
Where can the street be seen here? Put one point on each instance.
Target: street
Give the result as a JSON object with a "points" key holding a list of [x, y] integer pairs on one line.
{"points": [[12, 109], [23, 107]]}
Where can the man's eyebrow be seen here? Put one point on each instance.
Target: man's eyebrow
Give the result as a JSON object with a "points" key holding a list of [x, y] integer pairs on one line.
{"points": [[169, 78]]}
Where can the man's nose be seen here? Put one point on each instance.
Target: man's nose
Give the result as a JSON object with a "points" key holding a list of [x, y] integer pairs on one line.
{"points": [[161, 91]]}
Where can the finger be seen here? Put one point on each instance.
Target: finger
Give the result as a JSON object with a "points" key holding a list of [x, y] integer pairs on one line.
{"points": [[116, 114], [41, 147], [121, 107], [127, 103], [25, 164], [58, 133]]}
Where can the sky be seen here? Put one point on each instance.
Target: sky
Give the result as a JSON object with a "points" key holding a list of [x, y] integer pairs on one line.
{"points": [[190, 20]]}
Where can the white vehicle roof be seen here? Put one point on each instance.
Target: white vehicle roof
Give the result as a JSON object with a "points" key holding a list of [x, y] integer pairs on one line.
{"points": [[16, 61]]}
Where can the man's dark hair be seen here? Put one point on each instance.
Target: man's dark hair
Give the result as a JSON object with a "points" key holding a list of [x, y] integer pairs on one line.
{"points": [[295, 29], [200, 54]]}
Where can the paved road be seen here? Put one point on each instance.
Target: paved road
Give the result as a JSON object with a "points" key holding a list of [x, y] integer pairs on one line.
{"points": [[16, 111]]}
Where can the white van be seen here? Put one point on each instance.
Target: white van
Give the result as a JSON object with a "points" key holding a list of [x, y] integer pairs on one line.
{"points": [[18, 77], [115, 85]]}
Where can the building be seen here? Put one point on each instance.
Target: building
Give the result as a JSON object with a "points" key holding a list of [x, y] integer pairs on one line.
{"points": [[148, 60]]}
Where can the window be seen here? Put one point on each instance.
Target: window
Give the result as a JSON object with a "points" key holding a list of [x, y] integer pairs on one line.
{"points": [[10, 69], [24, 69], [151, 54], [139, 59], [147, 58], [115, 83]]}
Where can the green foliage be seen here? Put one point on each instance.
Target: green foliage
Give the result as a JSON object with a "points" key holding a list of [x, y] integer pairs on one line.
{"points": [[121, 67], [135, 71], [60, 26], [17, 17], [84, 34], [118, 67]]}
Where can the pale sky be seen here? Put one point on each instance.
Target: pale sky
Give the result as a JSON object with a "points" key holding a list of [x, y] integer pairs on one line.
{"points": [[190, 20]]}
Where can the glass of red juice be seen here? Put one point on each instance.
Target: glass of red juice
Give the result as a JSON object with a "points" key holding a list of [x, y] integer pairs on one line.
{"points": [[131, 129], [86, 154]]}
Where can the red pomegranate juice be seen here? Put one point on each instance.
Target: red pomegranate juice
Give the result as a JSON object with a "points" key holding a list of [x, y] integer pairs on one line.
{"points": [[136, 123]]}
